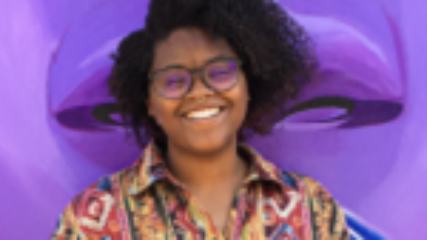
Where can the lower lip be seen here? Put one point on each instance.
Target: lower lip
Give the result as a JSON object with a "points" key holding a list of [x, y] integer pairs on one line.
{"points": [[212, 119]]}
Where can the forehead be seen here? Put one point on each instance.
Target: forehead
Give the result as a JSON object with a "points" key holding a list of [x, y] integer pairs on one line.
{"points": [[189, 47]]}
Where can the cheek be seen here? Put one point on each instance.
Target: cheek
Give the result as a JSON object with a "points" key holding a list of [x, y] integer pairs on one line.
{"points": [[161, 110]]}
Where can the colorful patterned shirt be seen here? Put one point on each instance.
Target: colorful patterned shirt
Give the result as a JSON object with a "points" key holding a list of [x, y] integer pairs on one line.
{"points": [[147, 202]]}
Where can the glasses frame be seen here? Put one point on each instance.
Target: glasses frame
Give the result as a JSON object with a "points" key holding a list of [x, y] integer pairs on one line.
{"points": [[192, 71]]}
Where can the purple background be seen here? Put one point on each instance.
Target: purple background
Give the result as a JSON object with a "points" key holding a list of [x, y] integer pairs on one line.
{"points": [[358, 128]]}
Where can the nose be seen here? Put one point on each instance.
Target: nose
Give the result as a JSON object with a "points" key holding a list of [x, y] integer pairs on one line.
{"points": [[199, 88]]}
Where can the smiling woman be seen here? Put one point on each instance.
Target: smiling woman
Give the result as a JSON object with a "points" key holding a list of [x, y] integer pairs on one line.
{"points": [[200, 78]]}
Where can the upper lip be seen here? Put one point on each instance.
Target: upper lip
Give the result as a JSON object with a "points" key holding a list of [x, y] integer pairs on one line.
{"points": [[200, 106]]}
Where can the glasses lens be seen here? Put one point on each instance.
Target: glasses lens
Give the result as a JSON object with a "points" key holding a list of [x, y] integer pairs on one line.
{"points": [[172, 83], [222, 75]]}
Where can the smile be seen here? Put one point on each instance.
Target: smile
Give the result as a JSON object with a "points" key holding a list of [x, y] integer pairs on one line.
{"points": [[203, 113]]}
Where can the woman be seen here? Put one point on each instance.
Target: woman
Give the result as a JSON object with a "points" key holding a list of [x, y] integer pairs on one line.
{"points": [[202, 77]]}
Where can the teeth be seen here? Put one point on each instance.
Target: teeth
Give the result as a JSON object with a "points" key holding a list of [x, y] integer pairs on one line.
{"points": [[205, 113]]}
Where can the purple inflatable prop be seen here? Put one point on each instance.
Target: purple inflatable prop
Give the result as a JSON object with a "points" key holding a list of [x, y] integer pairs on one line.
{"points": [[357, 128]]}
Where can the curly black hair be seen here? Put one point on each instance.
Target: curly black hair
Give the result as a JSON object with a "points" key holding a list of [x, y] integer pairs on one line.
{"points": [[275, 51]]}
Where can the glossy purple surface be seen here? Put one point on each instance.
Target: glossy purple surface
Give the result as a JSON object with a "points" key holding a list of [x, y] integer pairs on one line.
{"points": [[358, 128]]}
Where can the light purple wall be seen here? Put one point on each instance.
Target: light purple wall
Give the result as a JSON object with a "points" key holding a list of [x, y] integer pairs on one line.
{"points": [[372, 155]]}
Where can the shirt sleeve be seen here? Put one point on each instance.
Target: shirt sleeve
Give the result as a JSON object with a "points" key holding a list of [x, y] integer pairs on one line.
{"points": [[67, 227], [328, 219]]}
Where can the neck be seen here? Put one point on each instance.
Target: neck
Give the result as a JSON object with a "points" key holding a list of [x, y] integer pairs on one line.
{"points": [[207, 171]]}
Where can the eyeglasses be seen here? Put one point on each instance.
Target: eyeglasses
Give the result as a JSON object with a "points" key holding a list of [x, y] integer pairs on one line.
{"points": [[220, 74]]}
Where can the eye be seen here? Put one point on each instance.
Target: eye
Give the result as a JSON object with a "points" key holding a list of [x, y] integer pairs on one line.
{"points": [[219, 72], [222, 70], [176, 82]]}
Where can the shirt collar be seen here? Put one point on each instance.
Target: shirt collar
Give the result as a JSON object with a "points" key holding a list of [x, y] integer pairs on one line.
{"points": [[151, 168], [261, 169]]}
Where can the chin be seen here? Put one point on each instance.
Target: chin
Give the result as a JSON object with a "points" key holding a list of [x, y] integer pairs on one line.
{"points": [[206, 145]]}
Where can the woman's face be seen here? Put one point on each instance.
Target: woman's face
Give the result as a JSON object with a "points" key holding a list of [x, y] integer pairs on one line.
{"points": [[182, 119]]}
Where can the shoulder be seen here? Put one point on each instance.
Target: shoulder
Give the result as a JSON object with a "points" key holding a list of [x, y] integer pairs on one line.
{"points": [[89, 211], [313, 188], [328, 218], [105, 191], [317, 196], [304, 184]]}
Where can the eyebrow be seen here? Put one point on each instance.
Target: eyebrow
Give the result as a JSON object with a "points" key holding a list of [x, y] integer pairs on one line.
{"points": [[174, 65]]}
